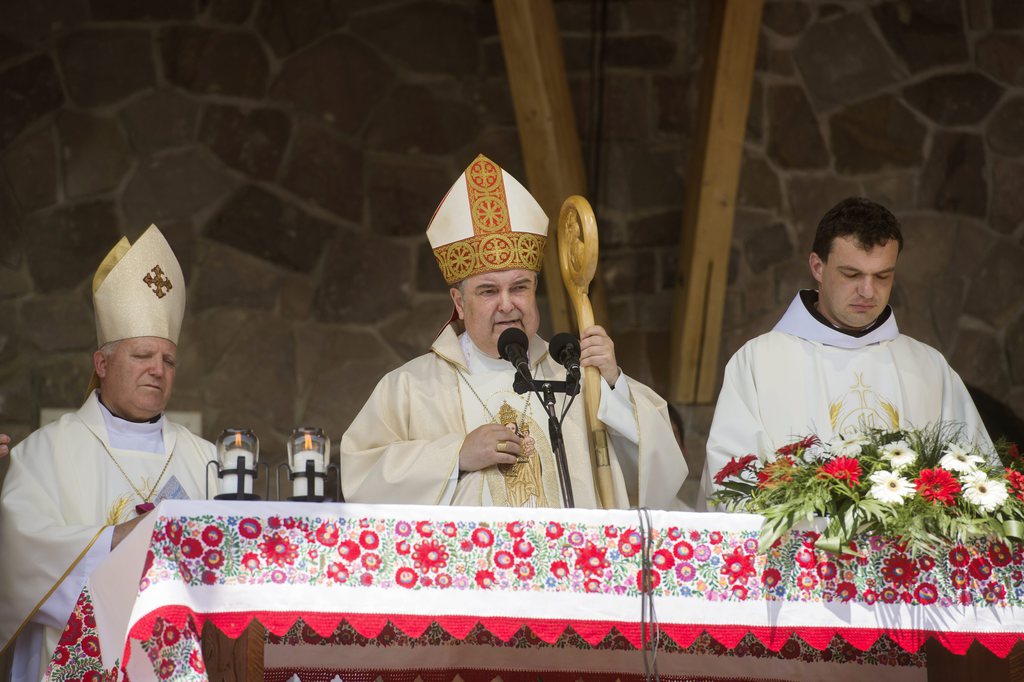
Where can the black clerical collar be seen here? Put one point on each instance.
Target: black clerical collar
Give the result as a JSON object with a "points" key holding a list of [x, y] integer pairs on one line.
{"points": [[809, 297]]}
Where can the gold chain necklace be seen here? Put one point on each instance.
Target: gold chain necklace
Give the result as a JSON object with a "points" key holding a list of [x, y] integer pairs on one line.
{"points": [[520, 427], [145, 498]]}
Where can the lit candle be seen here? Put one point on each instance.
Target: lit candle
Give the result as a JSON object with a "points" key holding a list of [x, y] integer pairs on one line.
{"points": [[232, 444], [308, 445]]}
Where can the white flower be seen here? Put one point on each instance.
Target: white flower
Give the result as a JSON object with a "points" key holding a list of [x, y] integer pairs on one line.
{"points": [[899, 454], [959, 458], [974, 477], [890, 487], [987, 495], [847, 447]]}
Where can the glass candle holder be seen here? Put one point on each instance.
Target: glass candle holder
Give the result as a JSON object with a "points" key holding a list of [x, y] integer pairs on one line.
{"points": [[238, 451], [308, 451]]}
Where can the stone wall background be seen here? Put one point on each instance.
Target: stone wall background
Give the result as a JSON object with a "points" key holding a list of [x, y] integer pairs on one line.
{"points": [[293, 151]]}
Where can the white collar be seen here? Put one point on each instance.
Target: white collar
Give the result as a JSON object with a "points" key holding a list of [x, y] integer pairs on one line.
{"points": [[799, 322], [128, 435], [477, 360]]}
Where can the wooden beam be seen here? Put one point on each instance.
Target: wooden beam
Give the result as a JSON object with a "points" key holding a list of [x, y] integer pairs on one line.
{"points": [[547, 129], [712, 181]]}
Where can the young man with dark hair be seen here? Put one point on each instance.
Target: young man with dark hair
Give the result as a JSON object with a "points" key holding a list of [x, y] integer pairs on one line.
{"points": [[836, 364]]}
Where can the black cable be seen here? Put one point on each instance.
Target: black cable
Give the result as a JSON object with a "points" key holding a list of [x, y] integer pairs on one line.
{"points": [[648, 615]]}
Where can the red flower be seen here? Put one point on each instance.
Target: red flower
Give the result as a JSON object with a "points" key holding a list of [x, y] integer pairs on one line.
{"points": [[926, 563], [503, 559], [899, 570], [525, 570], [72, 631], [958, 578], [173, 530], [366, 579], [327, 534], [771, 577], [629, 543], [683, 550], [349, 550], [827, 570], [591, 559], [992, 592], [663, 560], [209, 578], [191, 548], [424, 528], [337, 572], [406, 577], [443, 580], [515, 529], [251, 561], [611, 531], [249, 528], [799, 446], [369, 540], [449, 529], [592, 585], [714, 537], [1016, 481], [166, 669], [482, 537], [371, 561], [653, 580], [999, 554], [733, 467], [559, 569], [485, 579], [430, 555], [776, 473], [212, 535], [195, 659], [60, 655], [738, 566], [465, 545], [937, 485], [278, 550], [739, 591], [213, 558], [980, 568], [842, 469], [926, 593], [958, 556], [523, 548], [846, 591], [554, 530], [805, 557], [91, 646]]}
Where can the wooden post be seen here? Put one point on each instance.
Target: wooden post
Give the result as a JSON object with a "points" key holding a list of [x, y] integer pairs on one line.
{"points": [[234, 660], [712, 181], [547, 128]]}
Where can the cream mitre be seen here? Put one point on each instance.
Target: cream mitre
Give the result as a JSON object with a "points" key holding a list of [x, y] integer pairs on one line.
{"points": [[139, 290], [486, 222]]}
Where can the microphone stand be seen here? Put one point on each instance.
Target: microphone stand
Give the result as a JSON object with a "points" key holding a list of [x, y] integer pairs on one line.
{"points": [[546, 390]]}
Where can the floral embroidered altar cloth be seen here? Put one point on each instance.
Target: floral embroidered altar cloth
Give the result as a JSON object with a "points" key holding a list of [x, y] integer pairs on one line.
{"points": [[384, 590]]}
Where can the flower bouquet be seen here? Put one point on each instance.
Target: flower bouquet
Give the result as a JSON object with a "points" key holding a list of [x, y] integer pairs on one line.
{"points": [[928, 487]]}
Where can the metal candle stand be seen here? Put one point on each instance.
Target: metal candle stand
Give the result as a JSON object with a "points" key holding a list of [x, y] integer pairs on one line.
{"points": [[310, 474], [241, 472]]}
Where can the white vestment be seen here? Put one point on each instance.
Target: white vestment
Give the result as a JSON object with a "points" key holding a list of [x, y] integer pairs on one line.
{"points": [[403, 447], [807, 378], [65, 488]]}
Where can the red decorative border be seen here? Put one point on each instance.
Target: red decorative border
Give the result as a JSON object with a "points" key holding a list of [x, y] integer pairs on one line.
{"points": [[371, 625]]}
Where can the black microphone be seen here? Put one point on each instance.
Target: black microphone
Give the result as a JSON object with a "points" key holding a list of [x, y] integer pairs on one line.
{"points": [[512, 345], [565, 349]]}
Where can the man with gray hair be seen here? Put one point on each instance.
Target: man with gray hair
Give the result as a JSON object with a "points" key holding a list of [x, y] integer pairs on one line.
{"points": [[78, 486]]}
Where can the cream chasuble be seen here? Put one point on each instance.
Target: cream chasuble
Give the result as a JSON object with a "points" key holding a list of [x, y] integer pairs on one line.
{"points": [[804, 378], [403, 447], [64, 485]]}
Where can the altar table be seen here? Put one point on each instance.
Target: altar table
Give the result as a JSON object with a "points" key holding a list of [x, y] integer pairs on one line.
{"points": [[399, 591]]}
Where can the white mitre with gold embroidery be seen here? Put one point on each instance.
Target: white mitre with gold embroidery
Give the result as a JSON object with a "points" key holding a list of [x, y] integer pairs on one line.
{"points": [[139, 290], [486, 222]]}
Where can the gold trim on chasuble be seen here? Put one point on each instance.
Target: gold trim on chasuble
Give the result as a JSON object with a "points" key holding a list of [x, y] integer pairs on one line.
{"points": [[493, 246], [862, 409]]}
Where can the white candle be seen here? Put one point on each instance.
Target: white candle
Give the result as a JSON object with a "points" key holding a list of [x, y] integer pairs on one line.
{"points": [[300, 486], [229, 484]]}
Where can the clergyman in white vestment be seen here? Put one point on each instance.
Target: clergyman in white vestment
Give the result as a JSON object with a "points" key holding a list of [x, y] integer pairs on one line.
{"points": [[76, 487], [836, 362], [447, 427]]}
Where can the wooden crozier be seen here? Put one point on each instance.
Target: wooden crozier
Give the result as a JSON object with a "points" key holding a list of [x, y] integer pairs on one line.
{"points": [[577, 256]]}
